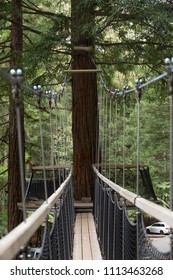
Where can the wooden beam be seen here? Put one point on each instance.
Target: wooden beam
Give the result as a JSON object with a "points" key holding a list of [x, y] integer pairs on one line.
{"points": [[48, 168], [30, 204], [82, 71], [82, 48], [119, 165]]}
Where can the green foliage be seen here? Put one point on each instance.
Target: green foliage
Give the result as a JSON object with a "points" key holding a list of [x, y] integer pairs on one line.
{"points": [[130, 39], [3, 176], [3, 213]]}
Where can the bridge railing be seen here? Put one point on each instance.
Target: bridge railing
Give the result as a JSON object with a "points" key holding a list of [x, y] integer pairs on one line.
{"points": [[62, 201], [119, 237], [159, 212]]}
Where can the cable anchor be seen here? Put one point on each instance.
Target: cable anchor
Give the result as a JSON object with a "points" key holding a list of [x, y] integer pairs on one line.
{"points": [[169, 69], [38, 92], [17, 79]]}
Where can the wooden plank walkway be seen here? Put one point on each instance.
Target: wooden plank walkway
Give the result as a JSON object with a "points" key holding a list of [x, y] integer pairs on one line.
{"points": [[86, 246]]}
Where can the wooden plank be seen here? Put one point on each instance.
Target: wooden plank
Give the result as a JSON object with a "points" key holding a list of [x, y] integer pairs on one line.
{"points": [[77, 246], [95, 248], [86, 246]]}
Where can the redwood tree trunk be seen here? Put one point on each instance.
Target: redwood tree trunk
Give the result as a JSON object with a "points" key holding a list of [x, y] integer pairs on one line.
{"points": [[84, 106], [14, 185]]}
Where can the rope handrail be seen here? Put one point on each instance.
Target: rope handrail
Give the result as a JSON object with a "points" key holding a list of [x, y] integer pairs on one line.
{"points": [[126, 90], [10, 244], [153, 209]]}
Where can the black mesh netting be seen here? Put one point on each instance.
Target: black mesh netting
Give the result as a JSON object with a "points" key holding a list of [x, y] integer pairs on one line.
{"points": [[119, 237]]}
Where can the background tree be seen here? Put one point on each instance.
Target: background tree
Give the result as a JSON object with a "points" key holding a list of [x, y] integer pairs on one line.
{"points": [[126, 37], [14, 183], [84, 105]]}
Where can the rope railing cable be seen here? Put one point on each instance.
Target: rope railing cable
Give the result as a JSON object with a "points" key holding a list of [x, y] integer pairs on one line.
{"points": [[160, 77], [127, 91]]}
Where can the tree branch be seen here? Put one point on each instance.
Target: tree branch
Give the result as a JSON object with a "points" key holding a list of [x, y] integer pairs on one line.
{"points": [[110, 44]]}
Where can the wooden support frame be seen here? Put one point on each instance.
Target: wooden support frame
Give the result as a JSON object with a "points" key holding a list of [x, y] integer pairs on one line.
{"points": [[48, 168], [119, 165], [83, 48], [159, 212], [72, 71]]}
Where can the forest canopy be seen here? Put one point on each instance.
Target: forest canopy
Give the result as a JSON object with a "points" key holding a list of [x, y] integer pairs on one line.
{"points": [[128, 39]]}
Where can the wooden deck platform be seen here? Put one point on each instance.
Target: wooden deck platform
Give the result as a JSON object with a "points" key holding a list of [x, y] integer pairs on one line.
{"points": [[86, 246]]}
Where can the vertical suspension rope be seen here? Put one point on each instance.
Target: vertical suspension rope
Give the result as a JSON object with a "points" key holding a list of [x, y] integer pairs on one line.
{"points": [[124, 135], [57, 142], [124, 141], [65, 132], [106, 127], [116, 135], [52, 141], [97, 144], [38, 92], [42, 154], [103, 129], [110, 119], [61, 145], [139, 92]]}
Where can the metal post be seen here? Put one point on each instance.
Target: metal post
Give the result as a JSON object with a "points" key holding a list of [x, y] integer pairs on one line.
{"points": [[169, 69], [17, 75]]}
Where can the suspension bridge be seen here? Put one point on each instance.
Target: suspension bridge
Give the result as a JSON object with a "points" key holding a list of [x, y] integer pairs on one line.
{"points": [[57, 227]]}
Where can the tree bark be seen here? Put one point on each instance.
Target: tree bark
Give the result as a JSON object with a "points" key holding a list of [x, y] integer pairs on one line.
{"points": [[14, 183], [84, 104]]}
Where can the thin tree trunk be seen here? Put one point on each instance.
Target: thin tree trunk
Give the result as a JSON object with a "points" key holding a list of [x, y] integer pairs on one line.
{"points": [[14, 189], [84, 106]]}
